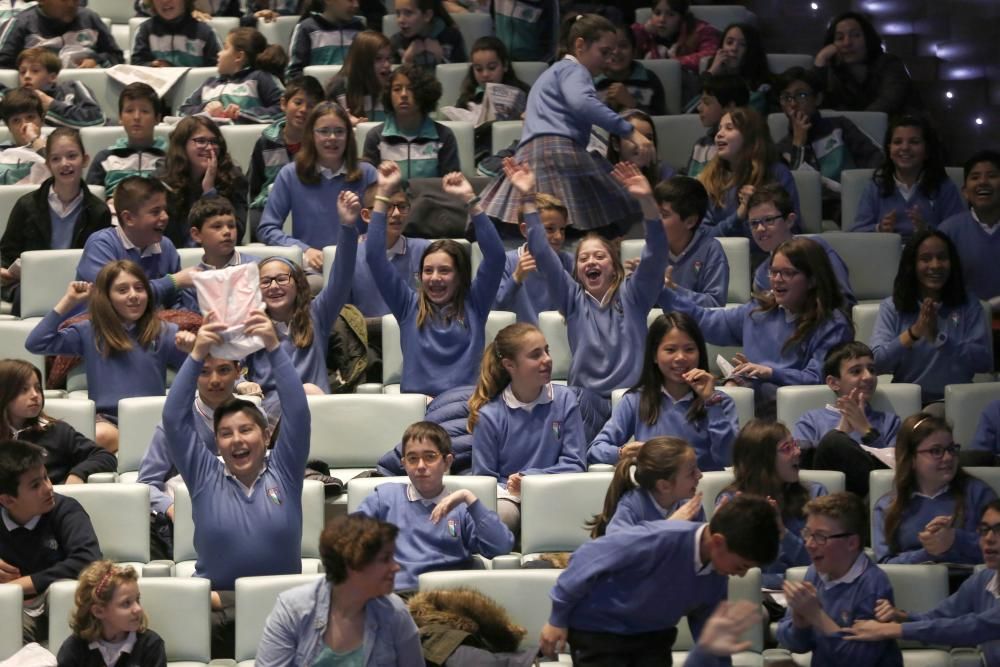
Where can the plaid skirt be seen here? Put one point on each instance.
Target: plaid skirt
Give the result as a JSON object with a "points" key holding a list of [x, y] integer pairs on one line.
{"points": [[584, 184]]}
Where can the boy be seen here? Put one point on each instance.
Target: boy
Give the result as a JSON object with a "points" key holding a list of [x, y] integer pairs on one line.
{"points": [[68, 103], [324, 37], [969, 617], [437, 530], [76, 34], [719, 95], [771, 218], [833, 433], [522, 289], [22, 161], [140, 153], [213, 227], [815, 143], [841, 587], [43, 536], [623, 594]]}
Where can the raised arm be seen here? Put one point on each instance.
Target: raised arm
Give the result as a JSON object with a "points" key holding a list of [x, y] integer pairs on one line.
{"points": [[47, 337], [331, 299], [487, 281], [395, 291]]}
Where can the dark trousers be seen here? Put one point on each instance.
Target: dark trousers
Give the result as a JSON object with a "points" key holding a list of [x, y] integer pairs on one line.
{"points": [[224, 627], [604, 649], [836, 451]]}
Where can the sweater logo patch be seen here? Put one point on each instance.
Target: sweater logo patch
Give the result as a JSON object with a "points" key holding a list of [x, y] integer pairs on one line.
{"points": [[697, 267], [273, 495], [452, 528], [557, 429], [52, 545]]}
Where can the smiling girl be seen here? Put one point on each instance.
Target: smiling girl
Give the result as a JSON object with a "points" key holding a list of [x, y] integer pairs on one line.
{"points": [[359, 84], [489, 63]]}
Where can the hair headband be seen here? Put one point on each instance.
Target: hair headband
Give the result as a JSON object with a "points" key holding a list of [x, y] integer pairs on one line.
{"points": [[278, 258], [103, 582]]}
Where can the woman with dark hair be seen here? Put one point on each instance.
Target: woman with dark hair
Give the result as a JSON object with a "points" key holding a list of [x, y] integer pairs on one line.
{"points": [[858, 74], [930, 331], [741, 52], [672, 31]]}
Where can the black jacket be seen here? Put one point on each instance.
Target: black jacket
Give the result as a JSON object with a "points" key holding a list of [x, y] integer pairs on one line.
{"points": [[148, 651], [69, 452]]}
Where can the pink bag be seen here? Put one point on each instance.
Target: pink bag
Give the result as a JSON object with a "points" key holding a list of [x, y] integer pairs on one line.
{"points": [[232, 293]]}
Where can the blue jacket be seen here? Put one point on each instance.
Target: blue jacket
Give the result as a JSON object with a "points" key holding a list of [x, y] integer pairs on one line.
{"points": [[978, 252], [106, 246], [872, 207]]}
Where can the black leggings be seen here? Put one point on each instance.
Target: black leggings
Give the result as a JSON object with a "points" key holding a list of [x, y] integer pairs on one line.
{"points": [[605, 649]]}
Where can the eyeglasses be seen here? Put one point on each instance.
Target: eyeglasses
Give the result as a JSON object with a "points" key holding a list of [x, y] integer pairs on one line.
{"points": [[984, 529], [937, 453], [767, 221], [784, 274], [788, 446], [402, 207], [280, 280], [820, 538], [327, 132], [801, 96], [201, 142], [430, 458]]}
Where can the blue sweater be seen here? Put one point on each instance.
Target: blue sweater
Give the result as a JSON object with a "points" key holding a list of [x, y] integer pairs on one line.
{"points": [[978, 252], [872, 207], [844, 603], [637, 505], [106, 246], [137, 372], [313, 208], [712, 438], [969, 617], [424, 546], [918, 513], [230, 528], [547, 439], [532, 296], [988, 432], [762, 279], [963, 347], [814, 424], [701, 271], [364, 291], [593, 328], [616, 583], [563, 102], [722, 219], [441, 354]]}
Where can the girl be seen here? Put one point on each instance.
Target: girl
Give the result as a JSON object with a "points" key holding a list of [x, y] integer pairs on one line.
{"points": [[309, 188], [675, 395], [489, 64], [562, 106], [125, 347], [323, 36], [109, 625], [71, 457], [766, 462], [741, 52], [624, 150], [626, 83], [247, 89], [672, 31], [931, 331], [359, 85], [427, 35], [911, 190], [657, 480], [441, 322], [421, 147], [933, 509], [43, 222], [174, 38], [199, 165], [521, 423], [785, 333]]}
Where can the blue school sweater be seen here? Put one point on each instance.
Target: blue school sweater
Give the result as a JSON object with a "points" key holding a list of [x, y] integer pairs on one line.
{"points": [[918, 513], [978, 251], [313, 207], [548, 438], [532, 296], [405, 257], [236, 536], [762, 279], [852, 599], [701, 271], [158, 261], [616, 584], [872, 207], [722, 220], [257, 93], [637, 505], [424, 546], [318, 41], [310, 362], [988, 432], [441, 354], [137, 372], [962, 348], [814, 424], [968, 617], [712, 438], [594, 328]]}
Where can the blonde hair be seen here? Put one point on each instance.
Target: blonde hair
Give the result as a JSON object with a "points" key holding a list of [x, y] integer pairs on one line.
{"points": [[757, 155], [544, 202], [493, 377], [97, 585]]}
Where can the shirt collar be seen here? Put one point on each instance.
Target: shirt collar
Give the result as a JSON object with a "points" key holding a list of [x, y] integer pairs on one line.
{"points": [[111, 652], [993, 585], [860, 564], [153, 249], [544, 396], [661, 510], [413, 496], [41, 423], [940, 492], [329, 174], [247, 490], [789, 315], [397, 248], [61, 209], [10, 524], [907, 190], [700, 569], [235, 260], [989, 229], [683, 399]]}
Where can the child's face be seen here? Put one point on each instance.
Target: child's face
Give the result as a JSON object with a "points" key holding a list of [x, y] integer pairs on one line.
{"points": [[858, 373], [396, 220], [788, 285], [684, 483], [331, 135], [128, 297], [555, 224], [933, 265], [145, 226], [729, 139], [412, 20], [18, 126], [788, 460], [622, 54], [836, 556], [342, 10], [139, 119], [216, 381], [168, 10], [849, 38], [66, 161], [679, 231], [425, 466], [230, 59], [401, 96], [734, 44], [990, 541], [595, 268], [297, 109], [34, 76], [664, 21], [596, 56], [439, 278], [907, 148], [531, 365], [798, 97], [676, 354], [200, 148], [383, 65], [769, 231], [487, 67], [217, 235], [709, 110], [60, 10], [380, 574], [628, 151], [27, 404], [982, 187], [935, 473], [34, 495], [242, 444], [277, 287], [122, 614]]}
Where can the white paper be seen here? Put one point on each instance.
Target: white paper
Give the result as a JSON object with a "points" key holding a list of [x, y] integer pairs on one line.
{"points": [[161, 79], [30, 655], [886, 455], [724, 366], [500, 102], [232, 293]]}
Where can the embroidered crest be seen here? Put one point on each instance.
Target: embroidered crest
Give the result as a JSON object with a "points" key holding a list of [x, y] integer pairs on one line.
{"points": [[452, 528], [273, 495], [697, 267], [557, 429]]}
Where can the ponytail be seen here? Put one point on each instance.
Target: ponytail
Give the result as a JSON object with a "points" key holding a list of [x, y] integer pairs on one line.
{"points": [[590, 27], [622, 481], [493, 377]]}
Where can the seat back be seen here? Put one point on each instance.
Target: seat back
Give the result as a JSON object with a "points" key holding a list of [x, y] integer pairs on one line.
{"points": [[472, 25], [120, 515], [466, 140], [990, 475], [255, 598], [10, 620], [9, 194], [279, 31], [779, 62], [553, 327], [192, 80], [864, 316], [721, 16], [505, 132], [354, 430], [528, 70], [554, 509], [484, 488], [451, 76], [852, 183], [96, 139], [668, 71], [115, 10], [44, 277], [872, 260], [322, 73], [137, 420], [964, 405], [240, 140], [78, 413], [738, 256], [743, 398], [292, 253], [794, 401], [807, 183], [13, 333], [102, 87], [676, 136]]}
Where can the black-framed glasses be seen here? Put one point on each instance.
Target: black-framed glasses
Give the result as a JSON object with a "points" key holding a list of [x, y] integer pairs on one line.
{"points": [[984, 529], [403, 207], [938, 451], [784, 274], [767, 221], [281, 280], [201, 142], [820, 538], [800, 97]]}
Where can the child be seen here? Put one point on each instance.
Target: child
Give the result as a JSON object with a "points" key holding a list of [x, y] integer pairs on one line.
{"points": [[562, 107], [174, 38], [139, 153], [741, 52], [528, 28], [610, 603], [442, 321], [720, 94], [987, 437], [621, 149], [68, 103], [213, 228], [280, 142], [675, 395], [673, 31], [931, 332], [521, 423], [841, 587], [108, 623], [932, 512], [62, 213], [43, 536], [247, 89], [22, 161], [70, 457], [359, 84], [422, 147], [833, 433], [657, 480], [910, 191], [323, 36], [626, 83], [427, 35], [438, 530], [968, 617], [76, 34]]}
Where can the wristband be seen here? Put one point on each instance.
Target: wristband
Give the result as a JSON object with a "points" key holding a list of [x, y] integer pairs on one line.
{"points": [[909, 330], [384, 200], [472, 202], [173, 281]]}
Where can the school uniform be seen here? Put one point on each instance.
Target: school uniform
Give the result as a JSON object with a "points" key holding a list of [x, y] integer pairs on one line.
{"points": [[978, 247], [114, 164], [722, 219], [21, 165], [180, 203], [935, 207], [702, 152], [762, 276], [270, 154], [528, 28], [404, 256], [431, 152], [256, 92], [987, 435], [642, 84], [690, 51], [318, 41], [448, 36], [158, 261], [86, 36], [637, 505], [182, 42], [814, 424], [142, 649], [73, 105], [67, 451], [531, 296], [372, 109], [701, 270]]}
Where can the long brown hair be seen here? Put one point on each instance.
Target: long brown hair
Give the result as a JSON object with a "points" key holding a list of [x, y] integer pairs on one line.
{"points": [[300, 328], [15, 374], [96, 586], [110, 335], [650, 385], [463, 280], [183, 186], [306, 161], [358, 71], [493, 377], [755, 458], [758, 154]]}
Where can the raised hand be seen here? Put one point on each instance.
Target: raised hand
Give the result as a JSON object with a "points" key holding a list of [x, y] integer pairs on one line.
{"points": [[348, 207], [852, 410], [702, 383], [184, 341], [520, 175], [458, 186], [77, 292], [630, 178], [209, 335], [259, 324], [720, 636], [211, 170], [689, 510], [389, 178], [525, 265]]}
